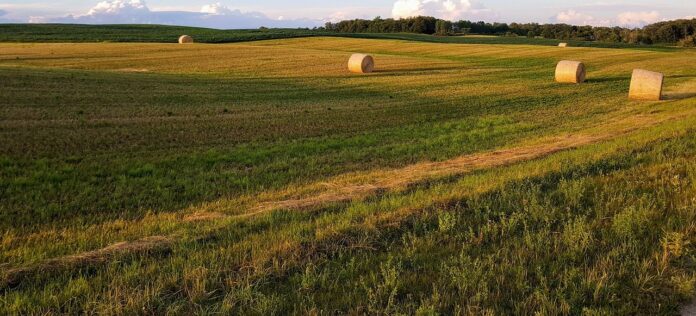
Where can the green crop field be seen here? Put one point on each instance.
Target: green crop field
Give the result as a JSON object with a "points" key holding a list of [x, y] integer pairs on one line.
{"points": [[262, 177], [57, 33], [77, 33]]}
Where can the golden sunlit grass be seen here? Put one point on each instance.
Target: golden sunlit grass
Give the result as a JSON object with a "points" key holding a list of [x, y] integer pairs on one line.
{"points": [[279, 182]]}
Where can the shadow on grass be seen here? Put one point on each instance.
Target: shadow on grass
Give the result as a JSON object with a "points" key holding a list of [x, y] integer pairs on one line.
{"points": [[680, 76], [414, 70], [606, 79], [678, 95], [626, 78]]}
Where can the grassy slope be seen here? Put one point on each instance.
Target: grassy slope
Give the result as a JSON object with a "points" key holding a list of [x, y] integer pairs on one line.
{"points": [[134, 33], [170, 34], [160, 127], [604, 229], [95, 135]]}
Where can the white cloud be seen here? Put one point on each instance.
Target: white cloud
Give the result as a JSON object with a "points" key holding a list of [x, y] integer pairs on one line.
{"points": [[213, 15], [407, 8], [625, 19], [638, 18], [339, 16], [336, 17], [118, 11], [115, 7], [575, 18], [38, 19], [216, 9], [444, 9]]}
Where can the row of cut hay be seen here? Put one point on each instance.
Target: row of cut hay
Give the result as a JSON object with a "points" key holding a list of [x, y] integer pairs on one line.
{"points": [[11, 278], [645, 85], [358, 63]]}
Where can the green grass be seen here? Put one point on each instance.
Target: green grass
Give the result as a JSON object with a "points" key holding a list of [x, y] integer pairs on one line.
{"points": [[169, 34], [110, 142], [192, 138], [604, 229], [63, 171], [135, 33], [500, 40]]}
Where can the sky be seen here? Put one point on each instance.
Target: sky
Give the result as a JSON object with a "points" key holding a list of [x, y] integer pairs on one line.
{"points": [[309, 13]]}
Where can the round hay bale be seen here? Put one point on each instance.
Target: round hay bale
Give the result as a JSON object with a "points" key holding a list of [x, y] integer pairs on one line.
{"points": [[646, 85], [185, 39], [361, 63], [568, 71], [563, 45]]}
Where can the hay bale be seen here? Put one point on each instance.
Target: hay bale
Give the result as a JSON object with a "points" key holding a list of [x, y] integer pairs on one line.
{"points": [[568, 71], [646, 85], [185, 39], [361, 63], [563, 45]]}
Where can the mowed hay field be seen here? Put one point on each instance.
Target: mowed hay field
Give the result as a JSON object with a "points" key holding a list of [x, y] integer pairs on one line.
{"points": [[264, 178]]}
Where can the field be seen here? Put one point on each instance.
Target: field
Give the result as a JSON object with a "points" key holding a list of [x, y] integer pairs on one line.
{"points": [[61, 33], [77, 33], [263, 178]]}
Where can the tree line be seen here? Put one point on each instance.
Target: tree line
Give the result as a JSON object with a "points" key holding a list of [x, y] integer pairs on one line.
{"points": [[682, 32]]}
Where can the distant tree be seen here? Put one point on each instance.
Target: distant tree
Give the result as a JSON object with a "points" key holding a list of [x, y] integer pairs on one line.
{"points": [[547, 32], [443, 27], [667, 33], [689, 41], [662, 32]]}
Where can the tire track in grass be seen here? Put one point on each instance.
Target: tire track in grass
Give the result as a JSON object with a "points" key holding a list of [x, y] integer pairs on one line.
{"points": [[159, 244], [354, 187], [361, 186]]}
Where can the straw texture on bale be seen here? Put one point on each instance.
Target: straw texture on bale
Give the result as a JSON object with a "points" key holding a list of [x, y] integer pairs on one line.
{"points": [[646, 85], [185, 39], [568, 71], [361, 63], [563, 45]]}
